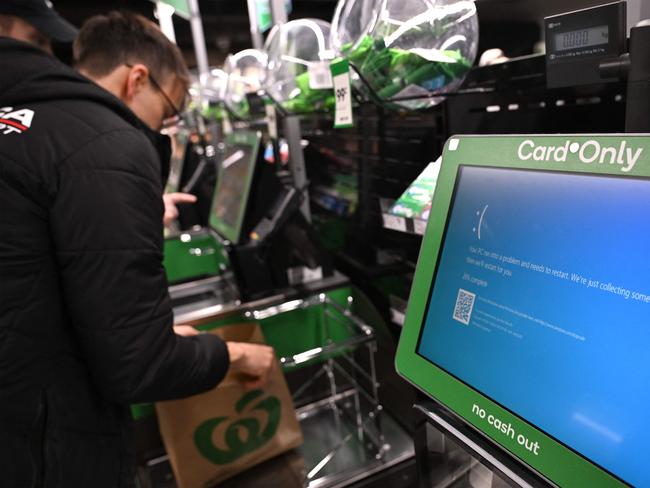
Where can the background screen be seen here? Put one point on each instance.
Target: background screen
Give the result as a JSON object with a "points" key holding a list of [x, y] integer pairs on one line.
{"points": [[541, 302], [234, 177]]}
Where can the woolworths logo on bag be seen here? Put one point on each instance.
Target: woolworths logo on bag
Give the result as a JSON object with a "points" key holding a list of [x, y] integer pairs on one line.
{"points": [[242, 436], [591, 151]]}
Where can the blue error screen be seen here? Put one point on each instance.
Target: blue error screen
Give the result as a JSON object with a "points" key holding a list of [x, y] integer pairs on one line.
{"points": [[541, 302]]}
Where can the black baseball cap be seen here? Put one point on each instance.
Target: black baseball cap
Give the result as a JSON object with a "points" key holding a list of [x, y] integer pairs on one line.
{"points": [[41, 14]]}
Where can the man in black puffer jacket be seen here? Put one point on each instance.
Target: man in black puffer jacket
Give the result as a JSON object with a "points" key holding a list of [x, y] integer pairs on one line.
{"points": [[85, 317]]}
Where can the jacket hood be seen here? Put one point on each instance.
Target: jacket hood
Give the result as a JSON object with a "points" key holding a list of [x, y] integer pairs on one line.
{"points": [[29, 74]]}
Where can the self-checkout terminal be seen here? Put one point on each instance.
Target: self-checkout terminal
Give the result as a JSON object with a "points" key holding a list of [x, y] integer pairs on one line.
{"points": [[526, 320], [258, 213], [264, 244]]}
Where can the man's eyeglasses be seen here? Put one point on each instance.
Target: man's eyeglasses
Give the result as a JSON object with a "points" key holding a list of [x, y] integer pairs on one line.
{"points": [[176, 111]]}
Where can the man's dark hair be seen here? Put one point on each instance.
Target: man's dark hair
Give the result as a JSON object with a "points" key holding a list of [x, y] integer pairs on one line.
{"points": [[107, 41], [6, 23]]}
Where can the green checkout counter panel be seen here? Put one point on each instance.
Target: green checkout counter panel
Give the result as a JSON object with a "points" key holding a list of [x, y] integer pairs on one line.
{"points": [[193, 255], [528, 316]]}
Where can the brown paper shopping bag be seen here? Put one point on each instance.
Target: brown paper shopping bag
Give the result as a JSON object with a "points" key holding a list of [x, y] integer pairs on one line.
{"points": [[215, 435]]}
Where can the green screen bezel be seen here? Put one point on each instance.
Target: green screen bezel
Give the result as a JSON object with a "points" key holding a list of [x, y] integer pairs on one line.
{"points": [[241, 138], [555, 461]]}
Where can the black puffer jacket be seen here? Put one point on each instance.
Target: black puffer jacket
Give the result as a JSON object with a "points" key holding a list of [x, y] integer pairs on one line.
{"points": [[85, 317]]}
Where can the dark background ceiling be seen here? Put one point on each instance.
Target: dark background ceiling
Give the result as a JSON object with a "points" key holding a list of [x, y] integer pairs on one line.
{"points": [[513, 25]]}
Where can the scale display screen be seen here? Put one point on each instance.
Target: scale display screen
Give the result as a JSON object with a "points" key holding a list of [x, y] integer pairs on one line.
{"points": [[528, 316], [582, 38], [578, 42]]}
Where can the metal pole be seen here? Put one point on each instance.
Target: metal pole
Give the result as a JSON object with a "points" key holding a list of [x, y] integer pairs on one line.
{"points": [[256, 35], [293, 134], [278, 12], [199, 44], [292, 130]]}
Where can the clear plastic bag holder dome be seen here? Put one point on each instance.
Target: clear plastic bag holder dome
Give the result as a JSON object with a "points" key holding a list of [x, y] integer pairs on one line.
{"points": [[207, 92], [245, 72], [297, 71], [213, 86], [407, 51]]}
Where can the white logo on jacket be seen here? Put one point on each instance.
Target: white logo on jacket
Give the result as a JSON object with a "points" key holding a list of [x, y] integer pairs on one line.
{"points": [[15, 121]]}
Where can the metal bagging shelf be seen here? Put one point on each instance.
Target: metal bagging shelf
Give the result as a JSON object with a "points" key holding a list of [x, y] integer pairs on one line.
{"points": [[347, 435]]}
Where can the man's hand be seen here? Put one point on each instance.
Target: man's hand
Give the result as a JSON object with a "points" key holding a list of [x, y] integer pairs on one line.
{"points": [[255, 362], [185, 330], [170, 200]]}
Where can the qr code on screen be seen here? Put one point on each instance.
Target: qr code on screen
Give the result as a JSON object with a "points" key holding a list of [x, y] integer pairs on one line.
{"points": [[464, 306]]}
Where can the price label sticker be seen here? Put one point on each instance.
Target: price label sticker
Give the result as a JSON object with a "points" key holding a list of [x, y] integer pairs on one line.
{"points": [[320, 76], [343, 94], [394, 222], [271, 119], [419, 226]]}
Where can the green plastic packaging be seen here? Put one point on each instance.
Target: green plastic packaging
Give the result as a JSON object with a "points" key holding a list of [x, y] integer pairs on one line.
{"points": [[407, 51]]}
